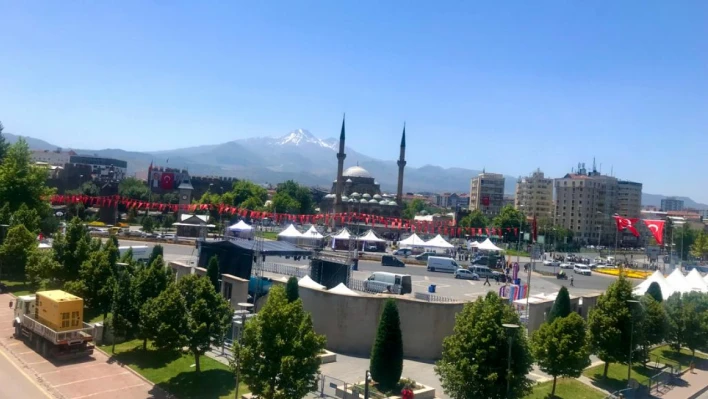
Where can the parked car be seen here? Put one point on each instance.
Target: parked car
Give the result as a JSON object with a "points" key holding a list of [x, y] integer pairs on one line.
{"points": [[465, 274], [566, 265], [390, 260], [582, 269], [403, 252], [484, 271], [426, 255]]}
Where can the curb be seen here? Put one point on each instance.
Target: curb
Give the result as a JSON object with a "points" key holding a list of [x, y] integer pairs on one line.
{"points": [[699, 393], [110, 357]]}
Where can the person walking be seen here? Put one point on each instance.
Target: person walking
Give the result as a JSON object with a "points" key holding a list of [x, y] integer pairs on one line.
{"points": [[571, 281], [486, 281]]}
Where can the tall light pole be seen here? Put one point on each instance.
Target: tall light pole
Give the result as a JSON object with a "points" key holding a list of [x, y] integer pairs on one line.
{"points": [[245, 309], [518, 244], [510, 330], [631, 303]]}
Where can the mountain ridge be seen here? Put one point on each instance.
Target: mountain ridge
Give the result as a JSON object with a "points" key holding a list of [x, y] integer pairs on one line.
{"points": [[301, 156]]}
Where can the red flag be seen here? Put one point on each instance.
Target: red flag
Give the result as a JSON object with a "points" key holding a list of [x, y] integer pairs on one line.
{"points": [[657, 229], [627, 223], [167, 181]]}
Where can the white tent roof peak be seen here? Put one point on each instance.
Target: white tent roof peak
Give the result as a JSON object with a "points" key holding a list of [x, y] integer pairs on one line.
{"points": [[290, 231], [240, 226], [438, 242], [695, 281], [307, 282], [370, 236], [488, 245], [312, 233], [412, 241], [342, 289], [678, 282], [342, 235], [657, 277], [473, 244]]}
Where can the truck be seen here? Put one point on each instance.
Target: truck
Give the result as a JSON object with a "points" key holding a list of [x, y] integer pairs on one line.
{"points": [[141, 253], [51, 322]]}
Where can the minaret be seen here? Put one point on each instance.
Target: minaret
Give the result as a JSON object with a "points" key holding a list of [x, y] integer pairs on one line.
{"points": [[340, 170], [401, 165]]}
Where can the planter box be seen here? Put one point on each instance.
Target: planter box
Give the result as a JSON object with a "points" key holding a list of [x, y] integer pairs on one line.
{"points": [[352, 392], [327, 357]]}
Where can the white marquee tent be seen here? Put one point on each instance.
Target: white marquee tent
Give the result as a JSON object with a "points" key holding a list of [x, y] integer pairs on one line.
{"points": [[473, 244], [695, 281], [438, 242], [370, 236], [706, 278], [290, 234], [241, 229], [307, 282], [312, 234], [342, 289], [678, 282], [488, 245], [657, 277], [412, 241]]}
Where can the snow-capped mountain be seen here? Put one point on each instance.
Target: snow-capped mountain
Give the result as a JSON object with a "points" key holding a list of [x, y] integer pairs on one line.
{"points": [[304, 137]]}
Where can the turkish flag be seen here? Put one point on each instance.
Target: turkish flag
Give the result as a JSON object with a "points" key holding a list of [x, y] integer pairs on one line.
{"points": [[627, 223], [657, 229], [167, 181]]}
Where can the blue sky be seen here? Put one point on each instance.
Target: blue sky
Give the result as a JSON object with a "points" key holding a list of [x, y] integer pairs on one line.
{"points": [[508, 86]]}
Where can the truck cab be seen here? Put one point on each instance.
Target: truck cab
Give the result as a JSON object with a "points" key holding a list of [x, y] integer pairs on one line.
{"points": [[24, 305]]}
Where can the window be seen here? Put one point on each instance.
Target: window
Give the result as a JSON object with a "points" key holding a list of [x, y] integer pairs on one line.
{"points": [[65, 320], [75, 319]]}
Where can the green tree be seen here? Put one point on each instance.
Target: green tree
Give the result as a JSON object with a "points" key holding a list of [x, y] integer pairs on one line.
{"points": [[212, 272], [475, 219], [16, 250], [163, 320], [208, 315], [43, 271], [510, 218], [561, 347], [677, 323], [97, 282], [474, 359], [5, 214], [4, 145], [148, 224], [21, 182], [72, 249], [122, 307], [610, 323], [684, 237], [292, 290], [247, 193], [386, 363], [157, 251], [688, 320], [655, 291], [561, 306], [301, 194], [133, 188], [27, 217], [149, 281], [279, 351], [654, 324], [283, 203], [699, 249]]}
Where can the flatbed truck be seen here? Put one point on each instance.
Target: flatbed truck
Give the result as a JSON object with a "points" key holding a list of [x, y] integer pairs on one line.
{"points": [[71, 343]]}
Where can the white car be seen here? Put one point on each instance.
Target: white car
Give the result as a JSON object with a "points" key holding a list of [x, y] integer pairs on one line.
{"points": [[466, 274], [582, 269], [549, 262], [565, 265]]}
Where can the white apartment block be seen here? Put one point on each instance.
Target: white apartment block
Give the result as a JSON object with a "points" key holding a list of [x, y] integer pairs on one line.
{"points": [[630, 199], [487, 193], [54, 158], [534, 195]]}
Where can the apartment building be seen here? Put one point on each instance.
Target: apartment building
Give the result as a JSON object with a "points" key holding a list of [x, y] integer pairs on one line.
{"points": [[671, 204], [452, 200], [487, 193], [534, 195], [585, 204], [53, 158], [629, 199]]}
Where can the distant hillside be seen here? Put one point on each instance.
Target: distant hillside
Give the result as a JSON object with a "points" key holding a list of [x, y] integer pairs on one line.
{"points": [[35, 144], [655, 200]]}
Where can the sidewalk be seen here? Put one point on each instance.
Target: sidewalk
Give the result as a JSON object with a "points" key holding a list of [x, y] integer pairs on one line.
{"points": [[690, 385]]}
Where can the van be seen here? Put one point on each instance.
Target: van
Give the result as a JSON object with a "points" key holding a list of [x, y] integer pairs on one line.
{"points": [[389, 282], [439, 263], [141, 253], [483, 272]]}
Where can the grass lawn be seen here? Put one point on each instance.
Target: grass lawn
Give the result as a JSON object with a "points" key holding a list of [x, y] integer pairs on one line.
{"points": [[566, 388], [617, 375], [268, 235], [670, 357], [17, 287], [512, 252], [173, 371]]}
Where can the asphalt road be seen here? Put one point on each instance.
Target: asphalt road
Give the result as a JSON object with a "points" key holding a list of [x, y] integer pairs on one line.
{"points": [[446, 284], [14, 383]]}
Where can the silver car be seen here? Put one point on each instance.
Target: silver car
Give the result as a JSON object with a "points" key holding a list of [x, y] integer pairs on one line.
{"points": [[466, 274]]}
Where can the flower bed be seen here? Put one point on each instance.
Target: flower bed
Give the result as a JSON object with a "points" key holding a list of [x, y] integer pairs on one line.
{"points": [[640, 274], [356, 391]]}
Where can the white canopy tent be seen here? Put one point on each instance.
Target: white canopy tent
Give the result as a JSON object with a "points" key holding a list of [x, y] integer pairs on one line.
{"points": [[678, 282], [412, 241], [307, 282], [290, 234], [438, 242], [342, 289], [488, 245], [241, 229], [370, 236], [473, 244], [695, 281], [657, 277], [312, 234], [705, 278], [342, 235]]}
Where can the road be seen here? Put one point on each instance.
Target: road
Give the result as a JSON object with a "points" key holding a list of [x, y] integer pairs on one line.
{"points": [[446, 284], [14, 383]]}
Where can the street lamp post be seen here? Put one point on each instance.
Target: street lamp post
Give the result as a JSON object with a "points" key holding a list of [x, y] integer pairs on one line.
{"points": [[631, 302], [245, 308], [518, 244], [510, 329]]}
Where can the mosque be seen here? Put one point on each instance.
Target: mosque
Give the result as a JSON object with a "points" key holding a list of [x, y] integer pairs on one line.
{"points": [[355, 190]]}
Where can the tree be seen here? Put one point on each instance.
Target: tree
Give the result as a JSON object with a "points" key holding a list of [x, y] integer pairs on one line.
{"points": [[22, 182], [475, 219], [43, 271], [208, 315], [4, 145], [654, 291], [97, 282], [5, 214], [16, 250], [212, 272], [510, 218], [699, 249], [475, 356], [292, 290], [688, 320], [561, 306], [610, 323], [27, 217], [163, 319], [122, 307], [677, 323], [301, 194], [654, 323], [561, 347], [246, 194], [72, 249], [283, 203], [279, 351], [157, 251], [684, 237], [148, 224], [386, 362], [133, 188], [150, 280]]}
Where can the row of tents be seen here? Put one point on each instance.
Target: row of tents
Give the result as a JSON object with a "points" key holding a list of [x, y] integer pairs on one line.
{"points": [[674, 282]]}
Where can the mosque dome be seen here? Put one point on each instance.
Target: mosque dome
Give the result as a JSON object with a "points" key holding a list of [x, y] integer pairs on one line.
{"points": [[366, 195], [356, 171]]}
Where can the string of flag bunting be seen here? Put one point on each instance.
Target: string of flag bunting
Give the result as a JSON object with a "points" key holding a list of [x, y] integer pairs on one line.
{"points": [[419, 226]]}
